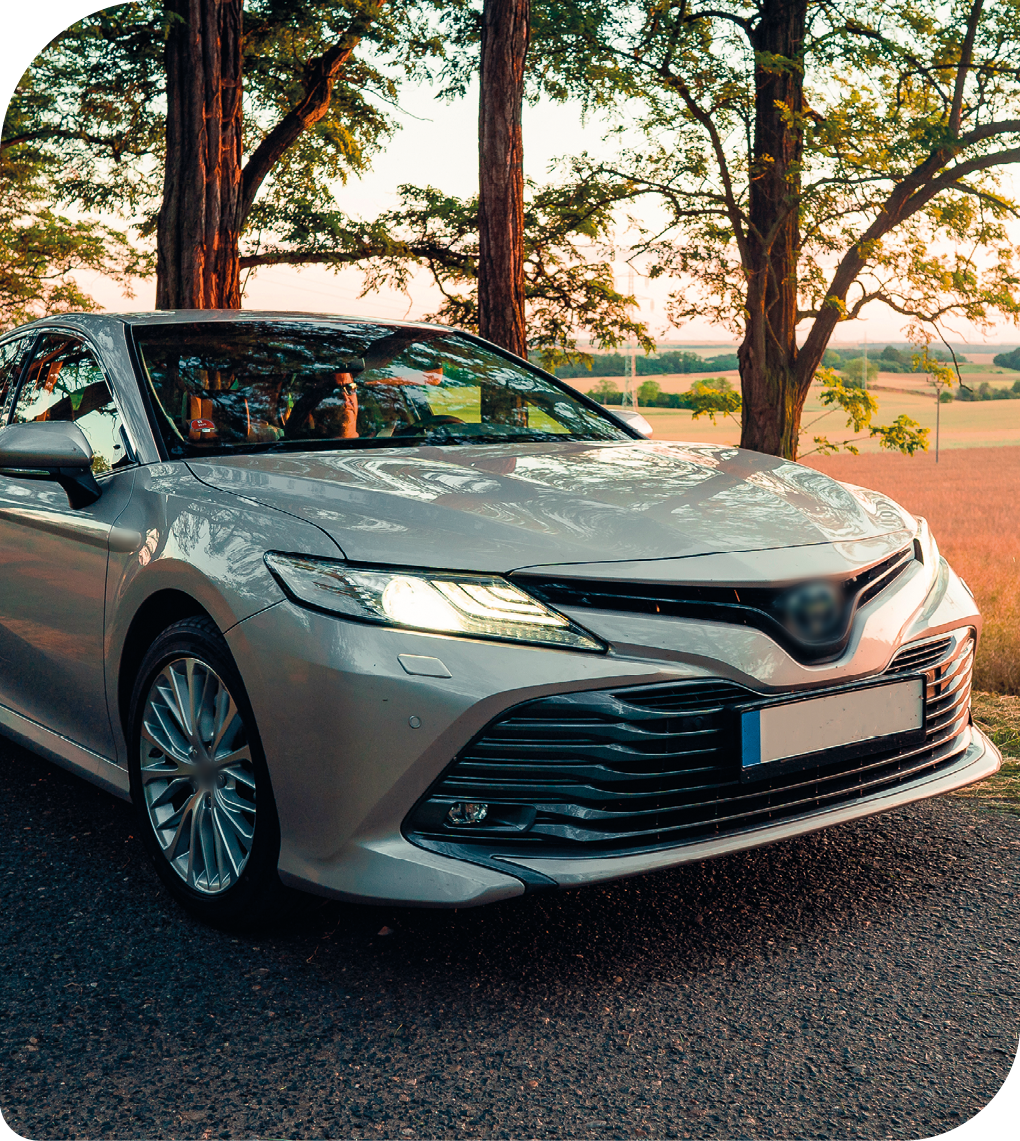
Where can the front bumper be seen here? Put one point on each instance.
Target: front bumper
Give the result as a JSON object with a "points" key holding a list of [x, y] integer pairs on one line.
{"points": [[978, 760], [353, 741]]}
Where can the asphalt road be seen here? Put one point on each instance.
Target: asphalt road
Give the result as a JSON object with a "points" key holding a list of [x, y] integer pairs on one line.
{"points": [[862, 982]]}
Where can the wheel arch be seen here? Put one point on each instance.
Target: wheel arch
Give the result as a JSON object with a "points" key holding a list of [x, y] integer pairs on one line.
{"points": [[155, 614]]}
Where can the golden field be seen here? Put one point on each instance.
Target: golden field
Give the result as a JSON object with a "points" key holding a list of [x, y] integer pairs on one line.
{"points": [[964, 424], [971, 498]]}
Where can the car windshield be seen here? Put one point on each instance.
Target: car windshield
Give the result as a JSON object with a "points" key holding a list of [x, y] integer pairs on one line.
{"points": [[274, 384]]}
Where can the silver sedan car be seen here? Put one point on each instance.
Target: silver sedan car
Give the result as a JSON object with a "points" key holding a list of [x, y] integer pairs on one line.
{"points": [[378, 611]]}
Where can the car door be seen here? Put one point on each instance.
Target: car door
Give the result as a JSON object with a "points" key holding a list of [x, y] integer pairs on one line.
{"points": [[53, 558]]}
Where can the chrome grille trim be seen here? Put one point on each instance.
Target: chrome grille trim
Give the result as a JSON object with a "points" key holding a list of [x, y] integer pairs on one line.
{"points": [[757, 606], [649, 767]]}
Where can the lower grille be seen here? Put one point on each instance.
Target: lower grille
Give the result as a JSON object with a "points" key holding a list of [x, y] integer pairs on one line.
{"points": [[634, 769]]}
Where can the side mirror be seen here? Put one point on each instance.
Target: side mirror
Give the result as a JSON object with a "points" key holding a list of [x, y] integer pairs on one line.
{"points": [[55, 450], [634, 420]]}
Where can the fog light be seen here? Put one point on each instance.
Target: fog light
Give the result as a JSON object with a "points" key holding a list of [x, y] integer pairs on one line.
{"points": [[467, 813]]}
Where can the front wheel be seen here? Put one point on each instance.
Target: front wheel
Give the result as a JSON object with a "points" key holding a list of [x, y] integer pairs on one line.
{"points": [[199, 780]]}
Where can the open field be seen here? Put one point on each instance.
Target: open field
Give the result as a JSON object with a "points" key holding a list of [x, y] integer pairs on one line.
{"points": [[979, 424], [970, 499]]}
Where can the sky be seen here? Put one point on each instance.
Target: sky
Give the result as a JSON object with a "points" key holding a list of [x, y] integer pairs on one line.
{"points": [[437, 146]]}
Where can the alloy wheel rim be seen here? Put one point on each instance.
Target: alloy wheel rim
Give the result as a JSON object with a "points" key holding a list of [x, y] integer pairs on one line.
{"points": [[198, 779]]}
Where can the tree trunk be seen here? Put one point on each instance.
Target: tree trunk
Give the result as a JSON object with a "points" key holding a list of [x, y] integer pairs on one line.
{"points": [[200, 219], [505, 35], [773, 391]]}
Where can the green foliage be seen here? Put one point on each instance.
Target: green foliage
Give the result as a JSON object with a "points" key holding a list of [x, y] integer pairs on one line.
{"points": [[649, 392], [858, 404], [853, 370], [605, 392], [40, 250], [95, 99], [658, 364], [890, 359], [941, 375], [566, 294], [907, 122], [902, 435], [711, 384], [1008, 360], [712, 402], [860, 407], [707, 396], [986, 391]]}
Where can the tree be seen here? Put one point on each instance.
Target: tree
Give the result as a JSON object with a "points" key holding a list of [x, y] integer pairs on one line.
{"points": [[853, 370], [200, 217], [648, 392], [565, 293], [505, 32], [158, 133], [40, 250], [816, 158], [94, 100]]}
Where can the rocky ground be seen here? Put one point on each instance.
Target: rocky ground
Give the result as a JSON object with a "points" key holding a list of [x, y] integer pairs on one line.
{"points": [[859, 983]]}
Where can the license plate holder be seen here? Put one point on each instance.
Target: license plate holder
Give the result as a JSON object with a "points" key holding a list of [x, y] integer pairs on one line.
{"points": [[824, 728]]}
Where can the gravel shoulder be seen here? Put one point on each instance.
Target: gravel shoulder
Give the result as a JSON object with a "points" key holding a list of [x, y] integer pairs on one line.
{"points": [[858, 983]]}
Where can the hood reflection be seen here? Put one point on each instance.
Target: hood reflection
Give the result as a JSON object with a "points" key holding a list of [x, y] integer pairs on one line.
{"points": [[497, 507]]}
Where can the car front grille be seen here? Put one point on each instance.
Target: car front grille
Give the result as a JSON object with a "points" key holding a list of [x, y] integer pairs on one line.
{"points": [[609, 772], [760, 607]]}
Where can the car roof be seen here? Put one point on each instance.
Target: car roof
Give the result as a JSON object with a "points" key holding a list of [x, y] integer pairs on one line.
{"points": [[192, 316]]}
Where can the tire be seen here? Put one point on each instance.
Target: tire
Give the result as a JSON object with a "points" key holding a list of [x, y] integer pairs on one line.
{"points": [[210, 823]]}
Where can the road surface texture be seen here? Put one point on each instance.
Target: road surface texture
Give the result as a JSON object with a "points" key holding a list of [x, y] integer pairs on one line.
{"points": [[861, 982]]}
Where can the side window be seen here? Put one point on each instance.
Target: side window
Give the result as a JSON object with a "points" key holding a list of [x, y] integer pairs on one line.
{"points": [[11, 353], [64, 382]]}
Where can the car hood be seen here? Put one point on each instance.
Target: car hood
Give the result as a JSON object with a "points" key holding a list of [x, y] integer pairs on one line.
{"points": [[499, 508]]}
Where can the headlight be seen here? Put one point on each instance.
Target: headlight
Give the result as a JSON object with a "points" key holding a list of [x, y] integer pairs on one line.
{"points": [[473, 606]]}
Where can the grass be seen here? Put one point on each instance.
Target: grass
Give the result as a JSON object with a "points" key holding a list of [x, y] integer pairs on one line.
{"points": [[999, 716]]}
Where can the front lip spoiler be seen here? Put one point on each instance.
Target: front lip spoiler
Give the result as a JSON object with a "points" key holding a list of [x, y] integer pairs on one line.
{"points": [[979, 760]]}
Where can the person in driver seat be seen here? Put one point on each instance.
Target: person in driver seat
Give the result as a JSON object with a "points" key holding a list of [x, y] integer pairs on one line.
{"points": [[326, 411]]}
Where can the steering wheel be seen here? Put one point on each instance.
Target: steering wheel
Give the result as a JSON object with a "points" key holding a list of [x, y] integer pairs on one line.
{"points": [[427, 423]]}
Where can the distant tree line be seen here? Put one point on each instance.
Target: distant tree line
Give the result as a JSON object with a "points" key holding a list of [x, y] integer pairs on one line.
{"points": [[659, 364], [985, 391], [650, 394], [890, 359], [1007, 360]]}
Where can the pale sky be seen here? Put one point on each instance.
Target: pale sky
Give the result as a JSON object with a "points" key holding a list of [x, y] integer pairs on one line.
{"points": [[436, 146]]}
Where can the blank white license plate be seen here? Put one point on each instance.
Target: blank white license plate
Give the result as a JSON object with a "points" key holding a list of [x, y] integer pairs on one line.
{"points": [[859, 719]]}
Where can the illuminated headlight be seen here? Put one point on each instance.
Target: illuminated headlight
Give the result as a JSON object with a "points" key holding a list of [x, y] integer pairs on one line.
{"points": [[472, 606]]}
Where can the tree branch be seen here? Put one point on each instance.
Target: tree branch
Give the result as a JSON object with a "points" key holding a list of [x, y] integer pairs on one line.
{"points": [[421, 251], [714, 14], [961, 72], [321, 74], [736, 215], [921, 197], [990, 130]]}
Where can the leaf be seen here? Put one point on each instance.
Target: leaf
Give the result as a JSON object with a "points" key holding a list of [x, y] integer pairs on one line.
{"points": [[902, 435]]}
